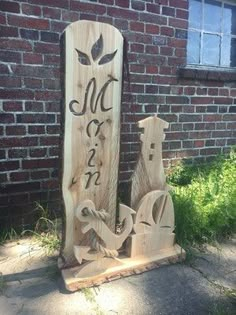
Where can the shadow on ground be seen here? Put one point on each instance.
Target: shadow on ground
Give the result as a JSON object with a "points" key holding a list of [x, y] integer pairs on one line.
{"points": [[31, 284]]}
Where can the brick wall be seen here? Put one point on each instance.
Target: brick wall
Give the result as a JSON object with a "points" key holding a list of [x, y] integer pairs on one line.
{"points": [[199, 105]]}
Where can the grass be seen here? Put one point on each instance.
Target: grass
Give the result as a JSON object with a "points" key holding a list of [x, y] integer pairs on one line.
{"points": [[45, 231], [204, 198]]}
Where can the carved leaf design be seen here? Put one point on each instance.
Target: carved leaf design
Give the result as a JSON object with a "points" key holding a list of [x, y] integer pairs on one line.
{"points": [[97, 48], [83, 58], [107, 58]]}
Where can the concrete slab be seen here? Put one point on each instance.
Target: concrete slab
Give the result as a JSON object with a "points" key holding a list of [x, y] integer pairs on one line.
{"points": [[33, 286]]}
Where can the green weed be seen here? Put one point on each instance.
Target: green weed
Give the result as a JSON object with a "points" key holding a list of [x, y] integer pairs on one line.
{"points": [[89, 295], [46, 230], [8, 235], [205, 201]]}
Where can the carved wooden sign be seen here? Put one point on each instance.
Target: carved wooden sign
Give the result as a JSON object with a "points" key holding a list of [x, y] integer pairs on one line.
{"points": [[93, 250], [93, 78]]}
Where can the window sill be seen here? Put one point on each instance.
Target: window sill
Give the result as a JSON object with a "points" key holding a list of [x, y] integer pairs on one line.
{"points": [[207, 73]]}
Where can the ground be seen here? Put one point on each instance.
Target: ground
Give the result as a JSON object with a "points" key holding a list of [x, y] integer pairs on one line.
{"points": [[30, 284]]}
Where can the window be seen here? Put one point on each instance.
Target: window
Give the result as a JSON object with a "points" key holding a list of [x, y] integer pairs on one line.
{"points": [[212, 33]]}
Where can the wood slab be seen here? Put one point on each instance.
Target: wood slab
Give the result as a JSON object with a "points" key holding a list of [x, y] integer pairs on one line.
{"points": [[93, 79], [122, 267]]}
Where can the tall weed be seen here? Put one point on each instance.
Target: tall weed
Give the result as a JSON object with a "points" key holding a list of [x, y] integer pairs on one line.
{"points": [[205, 206]]}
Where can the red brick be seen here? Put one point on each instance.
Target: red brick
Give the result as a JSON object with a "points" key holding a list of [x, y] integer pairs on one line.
{"points": [[39, 152], [137, 26], [51, 60], [182, 14], [138, 5], [168, 11], [55, 129], [152, 29], [34, 106], [199, 135], [151, 49], [10, 56], [152, 69], [167, 31], [52, 3], [48, 48], [6, 31], [6, 118], [202, 100], [39, 174], [183, 4], [15, 130], [137, 48], [179, 52], [137, 68], [28, 9], [49, 140], [47, 95], [32, 83], [32, 58], [28, 22], [15, 44], [16, 94], [177, 43], [178, 23], [39, 118], [36, 130], [54, 151], [54, 13], [10, 81], [19, 177], [6, 6], [223, 100], [50, 184], [122, 3], [43, 163], [57, 26], [9, 165], [87, 7], [225, 92], [153, 8], [122, 13], [18, 142], [190, 118], [211, 117]]}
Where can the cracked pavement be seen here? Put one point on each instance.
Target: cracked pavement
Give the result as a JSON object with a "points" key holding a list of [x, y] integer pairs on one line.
{"points": [[31, 284]]}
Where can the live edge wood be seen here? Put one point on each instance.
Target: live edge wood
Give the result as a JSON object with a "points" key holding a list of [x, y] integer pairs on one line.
{"points": [[125, 267], [93, 79]]}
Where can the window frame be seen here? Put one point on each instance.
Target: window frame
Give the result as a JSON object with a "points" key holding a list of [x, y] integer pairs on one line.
{"points": [[203, 32]]}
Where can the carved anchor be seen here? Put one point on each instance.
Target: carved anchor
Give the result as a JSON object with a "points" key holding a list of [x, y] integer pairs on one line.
{"points": [[95, 222]]}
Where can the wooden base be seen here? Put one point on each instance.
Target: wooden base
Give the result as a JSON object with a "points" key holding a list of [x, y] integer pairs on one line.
{"points": [[122, 267]]}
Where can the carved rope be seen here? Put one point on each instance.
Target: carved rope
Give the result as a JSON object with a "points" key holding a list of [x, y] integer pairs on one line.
{"points": [[105, 251], [100, 215]]}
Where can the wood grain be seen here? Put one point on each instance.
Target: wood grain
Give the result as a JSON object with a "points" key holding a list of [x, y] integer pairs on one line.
{"points": [[93, 78], [149, 173]]}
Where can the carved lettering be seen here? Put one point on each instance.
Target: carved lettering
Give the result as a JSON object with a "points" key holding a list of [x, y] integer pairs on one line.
{"points": [[93, 151], [98, 125], [93, 104], [90, 174]]}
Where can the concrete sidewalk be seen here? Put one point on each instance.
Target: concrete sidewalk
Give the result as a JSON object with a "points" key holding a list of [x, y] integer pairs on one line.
{"points": [[31, 285]]}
